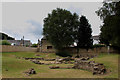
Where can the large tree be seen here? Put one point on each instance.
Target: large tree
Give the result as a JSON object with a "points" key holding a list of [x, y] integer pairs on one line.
{"points": [[110, 14], [59, 27], [84, 34]]}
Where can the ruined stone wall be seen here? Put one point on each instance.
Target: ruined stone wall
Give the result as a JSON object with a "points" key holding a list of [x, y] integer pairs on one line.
{"points": [[8, 48], [96, 68], [93, 51], [73, 50], [44, 49]]}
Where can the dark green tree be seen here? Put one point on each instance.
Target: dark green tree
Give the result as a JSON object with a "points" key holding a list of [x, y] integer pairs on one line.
{"points": [[59, 27], [84, 34], [34, 45], [110, 14]]}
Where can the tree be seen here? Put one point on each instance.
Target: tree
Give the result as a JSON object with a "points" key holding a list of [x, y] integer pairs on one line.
{"points": [[83, 34], [59, 27], [34, 45], [110, 14]]}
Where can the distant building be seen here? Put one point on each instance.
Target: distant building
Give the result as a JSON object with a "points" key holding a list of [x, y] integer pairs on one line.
{"points": [[20, 42], [96, 39]]}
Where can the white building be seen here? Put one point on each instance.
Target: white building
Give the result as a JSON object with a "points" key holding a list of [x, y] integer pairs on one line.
{"points": [[96, 39]]}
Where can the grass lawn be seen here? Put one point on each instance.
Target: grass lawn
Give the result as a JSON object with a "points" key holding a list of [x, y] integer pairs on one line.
{"points": [[16, 67]]}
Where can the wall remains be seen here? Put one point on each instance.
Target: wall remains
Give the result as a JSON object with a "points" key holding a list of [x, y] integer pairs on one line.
{"points": [[94, 50], [8, 48], [47, 47]]}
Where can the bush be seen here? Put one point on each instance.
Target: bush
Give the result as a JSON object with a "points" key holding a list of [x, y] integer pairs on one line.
{"points": [[4, 43], [63, 53], [98, 45], [34, 45]]}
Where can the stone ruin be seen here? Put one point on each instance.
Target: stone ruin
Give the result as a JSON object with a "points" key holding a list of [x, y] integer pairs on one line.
{"points": [[66, 60], [36, 62], [58, 67], [33, 58], [57, 60], [79, 63], [52, 59], [86, 55], [30, 71], [96, 68]]}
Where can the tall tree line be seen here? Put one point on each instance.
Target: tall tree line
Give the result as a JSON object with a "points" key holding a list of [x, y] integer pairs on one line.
{"points": [[110, 14]]}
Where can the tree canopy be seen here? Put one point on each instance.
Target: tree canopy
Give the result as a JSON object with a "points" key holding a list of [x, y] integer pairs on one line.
{"points": [[59, 27], [62, 29], [110, 14], [84, 31]]}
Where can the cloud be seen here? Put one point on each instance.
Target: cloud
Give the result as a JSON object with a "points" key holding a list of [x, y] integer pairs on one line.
{"points": [[32, 30], [35, 28], [74, 9], [26, 18]]}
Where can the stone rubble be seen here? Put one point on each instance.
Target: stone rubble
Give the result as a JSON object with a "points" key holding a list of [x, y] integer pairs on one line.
{"points": [[79, 63], [37, 62], [96, 68], [34, 58], [30, 71]]}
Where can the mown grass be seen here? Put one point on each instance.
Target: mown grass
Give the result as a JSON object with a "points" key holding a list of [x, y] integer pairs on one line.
{"points": [[16, 67]]}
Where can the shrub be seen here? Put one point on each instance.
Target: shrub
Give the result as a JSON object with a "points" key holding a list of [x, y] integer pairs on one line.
{"points": [[98, 45], [4, 43], [63, 53], [34, 45]]}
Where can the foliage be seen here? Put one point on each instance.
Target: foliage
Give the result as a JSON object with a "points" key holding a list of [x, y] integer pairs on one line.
{"points": [[59, 27], [98, 45], [63, 53], [34, 45], [84, 37], [110, 14], [4, 42]]}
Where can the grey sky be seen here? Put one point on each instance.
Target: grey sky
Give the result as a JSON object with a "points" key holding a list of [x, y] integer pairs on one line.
{"points": [[26, 18]]}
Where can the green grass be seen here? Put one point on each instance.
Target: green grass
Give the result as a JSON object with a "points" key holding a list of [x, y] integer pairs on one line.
{"points": [[16, 67]]}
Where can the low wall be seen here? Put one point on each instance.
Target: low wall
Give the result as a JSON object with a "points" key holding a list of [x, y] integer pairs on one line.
{"points": [[94, 50], [81, 51], [8, 48]]}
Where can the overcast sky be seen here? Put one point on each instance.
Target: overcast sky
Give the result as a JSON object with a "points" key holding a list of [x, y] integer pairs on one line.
{"points": [[26, 18]]}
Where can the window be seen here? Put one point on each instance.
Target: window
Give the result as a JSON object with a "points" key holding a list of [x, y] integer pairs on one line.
{"points": [[49, 47]]}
